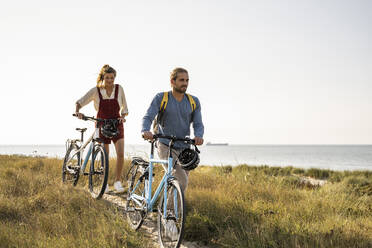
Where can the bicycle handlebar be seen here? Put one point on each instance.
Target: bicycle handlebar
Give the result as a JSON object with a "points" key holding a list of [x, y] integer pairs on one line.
{"points": [[171, 137], [86, 118], [174, 138]]}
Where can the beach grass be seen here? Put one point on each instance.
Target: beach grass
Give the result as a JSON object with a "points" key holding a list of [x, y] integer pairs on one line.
{"points": [[37, 210], [262, 206], [228, 206]]}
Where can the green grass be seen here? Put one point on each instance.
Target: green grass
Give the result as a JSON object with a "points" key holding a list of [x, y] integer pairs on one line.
{"points": [[253, 206], [36, 210], [240, 206]]}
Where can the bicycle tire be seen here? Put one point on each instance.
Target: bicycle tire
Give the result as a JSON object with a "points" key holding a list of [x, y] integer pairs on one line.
{"points": [[98, 172], [135, 213], [175, 213], [67, 176]]}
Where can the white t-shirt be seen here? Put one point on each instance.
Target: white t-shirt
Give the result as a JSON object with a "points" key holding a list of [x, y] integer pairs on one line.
{"points": [[92, 95]]}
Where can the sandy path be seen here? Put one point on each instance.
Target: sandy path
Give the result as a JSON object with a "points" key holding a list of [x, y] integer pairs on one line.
{"points": [[149, 226]]}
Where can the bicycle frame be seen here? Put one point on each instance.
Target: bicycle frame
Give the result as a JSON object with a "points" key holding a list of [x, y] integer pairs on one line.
{"points": [[148, 199], [81, 149], [81, 152]]}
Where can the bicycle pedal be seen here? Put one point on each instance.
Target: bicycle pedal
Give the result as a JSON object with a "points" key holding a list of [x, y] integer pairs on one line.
{"points": [[155, 210]]}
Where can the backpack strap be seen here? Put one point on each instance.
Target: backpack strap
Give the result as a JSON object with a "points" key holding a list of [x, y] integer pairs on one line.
{"points": [[163, 105], [164, 102], [192, 102]]}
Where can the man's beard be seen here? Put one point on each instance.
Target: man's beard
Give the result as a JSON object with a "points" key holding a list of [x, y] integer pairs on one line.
{"points": [[180, 90]]}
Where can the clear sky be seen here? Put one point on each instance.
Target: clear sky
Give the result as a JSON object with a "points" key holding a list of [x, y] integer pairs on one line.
{"points": [[266, 72]]}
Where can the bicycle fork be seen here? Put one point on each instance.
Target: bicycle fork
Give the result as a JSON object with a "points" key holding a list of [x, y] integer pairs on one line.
{"points": [[168, 181]]}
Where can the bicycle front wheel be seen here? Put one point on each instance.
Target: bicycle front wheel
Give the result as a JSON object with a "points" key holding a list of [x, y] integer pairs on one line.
{"points": [[98, 172], [171, 219], [136, 188], [70, 167]]}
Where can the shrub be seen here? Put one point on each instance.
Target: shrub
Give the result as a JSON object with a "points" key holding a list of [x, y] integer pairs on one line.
{"points": [[359, 185], [318, 173]]}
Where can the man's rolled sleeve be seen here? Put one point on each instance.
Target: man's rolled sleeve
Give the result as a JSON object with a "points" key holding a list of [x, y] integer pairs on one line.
{"points": [[197, 121]]}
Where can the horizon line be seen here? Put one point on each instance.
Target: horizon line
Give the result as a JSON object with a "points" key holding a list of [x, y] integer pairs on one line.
{"points": [[228, 144]]}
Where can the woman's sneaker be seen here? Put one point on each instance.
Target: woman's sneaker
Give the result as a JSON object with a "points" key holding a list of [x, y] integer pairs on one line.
{"points": [[107, 189], [118, 187]]}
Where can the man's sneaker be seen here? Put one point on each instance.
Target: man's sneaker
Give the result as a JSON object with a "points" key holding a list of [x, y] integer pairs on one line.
{"points": [[171, 230], [107, 189], [118, 187]]}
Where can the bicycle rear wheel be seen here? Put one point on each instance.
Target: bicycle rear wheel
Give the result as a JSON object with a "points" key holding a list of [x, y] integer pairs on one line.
{"points": [[136, 186], [171, 225], [70, 167], [98, 172]]}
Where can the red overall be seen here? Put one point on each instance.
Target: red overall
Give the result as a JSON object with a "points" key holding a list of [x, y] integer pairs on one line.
{"points": [[109, 109]]}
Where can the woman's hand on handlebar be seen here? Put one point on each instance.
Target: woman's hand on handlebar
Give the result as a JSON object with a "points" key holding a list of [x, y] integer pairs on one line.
{"points": [[79, 115], [122, 119], [147, 135]]}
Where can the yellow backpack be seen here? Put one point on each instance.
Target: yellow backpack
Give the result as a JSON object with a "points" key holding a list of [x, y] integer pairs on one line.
{"points": [[163, 106]]}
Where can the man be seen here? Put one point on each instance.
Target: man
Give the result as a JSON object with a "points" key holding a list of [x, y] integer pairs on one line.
{"points": [[176, 120]]}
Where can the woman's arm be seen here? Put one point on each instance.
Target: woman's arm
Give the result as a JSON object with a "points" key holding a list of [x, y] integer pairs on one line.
{"points": [[78, 107], [123, 103], [87, 98]]}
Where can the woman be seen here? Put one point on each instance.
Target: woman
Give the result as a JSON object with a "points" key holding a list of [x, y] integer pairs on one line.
{"points": [[110, 103]]}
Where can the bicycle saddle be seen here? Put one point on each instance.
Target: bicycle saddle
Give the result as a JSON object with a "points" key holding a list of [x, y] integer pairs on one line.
{"points": [[81, 129]]}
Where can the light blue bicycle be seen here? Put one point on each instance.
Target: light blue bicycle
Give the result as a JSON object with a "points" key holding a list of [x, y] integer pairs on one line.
{"points": [[170, 205]]}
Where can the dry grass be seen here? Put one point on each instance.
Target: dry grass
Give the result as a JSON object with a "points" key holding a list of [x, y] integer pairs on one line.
{"points": [[243, 206], [36, 210], [269, 207]]}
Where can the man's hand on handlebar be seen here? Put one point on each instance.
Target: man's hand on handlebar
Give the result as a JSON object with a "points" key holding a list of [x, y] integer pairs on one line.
{"points": [[147, 135], [199, 141]]}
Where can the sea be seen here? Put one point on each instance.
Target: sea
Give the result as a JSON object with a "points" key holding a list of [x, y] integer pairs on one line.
{"points": [[333, 157]]}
